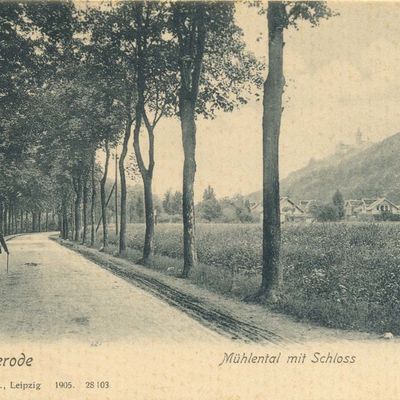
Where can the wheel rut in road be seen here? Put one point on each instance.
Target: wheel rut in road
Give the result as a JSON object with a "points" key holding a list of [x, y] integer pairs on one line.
{"points": [[221, 322]]}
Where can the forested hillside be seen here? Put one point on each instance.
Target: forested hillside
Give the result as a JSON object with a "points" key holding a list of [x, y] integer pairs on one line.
{"points": [[372, 172]]}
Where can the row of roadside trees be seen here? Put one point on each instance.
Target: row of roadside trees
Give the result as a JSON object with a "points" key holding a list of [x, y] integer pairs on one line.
{"points": [[76, 81]]}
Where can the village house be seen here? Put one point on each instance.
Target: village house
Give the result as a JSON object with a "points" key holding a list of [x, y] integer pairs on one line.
{"points": [[289, 210], [307, 207], [353, 208]]}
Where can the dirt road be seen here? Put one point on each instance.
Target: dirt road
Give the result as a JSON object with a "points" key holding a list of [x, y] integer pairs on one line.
{"points": [[52, 293]]}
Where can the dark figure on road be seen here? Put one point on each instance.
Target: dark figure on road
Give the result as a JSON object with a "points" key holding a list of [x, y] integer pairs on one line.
{"points": [[3, 244]]}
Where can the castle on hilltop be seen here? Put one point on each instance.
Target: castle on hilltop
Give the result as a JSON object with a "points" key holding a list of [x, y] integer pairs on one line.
{"points": [[361, 143]]}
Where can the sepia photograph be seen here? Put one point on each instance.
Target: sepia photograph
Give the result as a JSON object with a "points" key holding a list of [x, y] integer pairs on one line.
{"points": [[199, 200]]}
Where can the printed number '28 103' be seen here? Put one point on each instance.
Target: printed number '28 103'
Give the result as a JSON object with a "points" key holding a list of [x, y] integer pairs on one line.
{"points": [[97, 385]]}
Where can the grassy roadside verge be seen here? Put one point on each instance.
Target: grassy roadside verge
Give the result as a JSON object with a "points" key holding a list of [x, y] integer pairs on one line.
{"points": [[339, 275], [166, 271], [257, 317]]}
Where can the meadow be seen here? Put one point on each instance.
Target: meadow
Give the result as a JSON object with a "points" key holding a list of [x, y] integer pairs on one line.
{"points": [[344, 275]]}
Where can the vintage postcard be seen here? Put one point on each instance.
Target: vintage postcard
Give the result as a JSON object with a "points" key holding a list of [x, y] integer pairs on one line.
{"points": [[199, 200]]}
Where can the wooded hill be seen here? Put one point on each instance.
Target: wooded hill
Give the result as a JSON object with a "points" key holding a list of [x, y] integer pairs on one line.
{"points": [[372, 172]]}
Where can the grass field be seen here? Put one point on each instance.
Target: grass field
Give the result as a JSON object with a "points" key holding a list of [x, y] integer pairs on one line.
{"points": [[343, 275]]}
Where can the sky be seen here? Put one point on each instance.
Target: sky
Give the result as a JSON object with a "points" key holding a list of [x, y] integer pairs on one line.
{"points": [[341, 76]]}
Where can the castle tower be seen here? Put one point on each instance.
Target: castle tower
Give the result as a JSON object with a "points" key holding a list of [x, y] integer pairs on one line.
{"points": [[359, 138]]}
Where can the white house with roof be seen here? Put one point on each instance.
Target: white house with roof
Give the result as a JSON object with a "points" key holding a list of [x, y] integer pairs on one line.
{"points": [[352, 208], [370, 207], [307, 205], [377, 206], [289, 210]]}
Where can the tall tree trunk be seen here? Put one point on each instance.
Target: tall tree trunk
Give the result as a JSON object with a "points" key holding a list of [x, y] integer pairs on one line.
{"points": [[77, 205], [188, 125], [191, 44], [40, 221], [64, 210], [122, 227], [146, 173], [116, 193], [13, 219], [15, 227], [147, 177], [1, 217], [9, 227], [62, 225], [65, 223], [85, 203], [149, 218], [103, 196], [46, 226], [5, 219], [16, 219], [72, 220], [272, 104], [59, 221], [93, 200], [22, 220], [33, 222]]}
